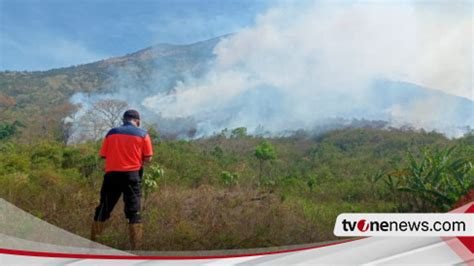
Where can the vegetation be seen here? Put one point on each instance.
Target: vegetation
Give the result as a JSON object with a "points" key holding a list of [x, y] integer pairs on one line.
{"points": [[212, 193], [264, 152], [231, 190], [434, 182], [31, 97]]}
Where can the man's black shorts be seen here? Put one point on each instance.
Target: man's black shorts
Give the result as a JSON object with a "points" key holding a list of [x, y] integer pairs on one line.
{"points": [[116, 183]]}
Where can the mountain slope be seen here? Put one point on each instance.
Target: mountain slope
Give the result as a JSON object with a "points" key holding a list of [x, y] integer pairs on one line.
{"points": [[164, 62], [31, 96]]}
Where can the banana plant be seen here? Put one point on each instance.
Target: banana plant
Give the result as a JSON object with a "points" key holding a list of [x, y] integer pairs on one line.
{"points": [[436, 180]]}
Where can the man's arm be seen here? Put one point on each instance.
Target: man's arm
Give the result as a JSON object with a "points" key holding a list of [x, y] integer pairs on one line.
{"points": [[147, 150]]}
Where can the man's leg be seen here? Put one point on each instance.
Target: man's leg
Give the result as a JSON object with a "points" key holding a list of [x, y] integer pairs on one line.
{"points": [[109, 195], [131, 198]]}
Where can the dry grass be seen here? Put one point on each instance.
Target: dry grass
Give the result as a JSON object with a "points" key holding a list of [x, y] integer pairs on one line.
{"points": [[207, 217]]}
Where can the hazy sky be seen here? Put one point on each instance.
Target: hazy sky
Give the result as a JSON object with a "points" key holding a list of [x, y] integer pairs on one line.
{"points": [[39, 35]]}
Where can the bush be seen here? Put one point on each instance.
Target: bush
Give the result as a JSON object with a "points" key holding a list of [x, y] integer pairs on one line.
{"points": [[229, 179]]}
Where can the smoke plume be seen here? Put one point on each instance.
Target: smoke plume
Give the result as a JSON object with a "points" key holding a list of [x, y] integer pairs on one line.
{"points": [[299, 65], [302, 64]]}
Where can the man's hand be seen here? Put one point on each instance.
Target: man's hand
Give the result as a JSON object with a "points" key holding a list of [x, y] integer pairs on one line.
{"points": [[146, 160]]}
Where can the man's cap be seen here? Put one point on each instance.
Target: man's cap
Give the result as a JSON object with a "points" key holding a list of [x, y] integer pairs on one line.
{"points": [[131, 114]]}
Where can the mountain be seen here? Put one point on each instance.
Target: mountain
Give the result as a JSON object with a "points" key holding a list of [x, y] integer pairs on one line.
{"points": [[31, 96], [395, 93], [164, 63]]}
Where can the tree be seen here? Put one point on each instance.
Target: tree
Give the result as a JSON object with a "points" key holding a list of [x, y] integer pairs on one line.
{"points": [[6, 102], [239, 133], [102, 116], [264, 152], [66, 115], [110, 111], [8, 130], [153, 133], [6, 108]]}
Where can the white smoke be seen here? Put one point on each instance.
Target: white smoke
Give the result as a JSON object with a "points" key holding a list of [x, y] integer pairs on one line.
{"points": [[300, 64]]}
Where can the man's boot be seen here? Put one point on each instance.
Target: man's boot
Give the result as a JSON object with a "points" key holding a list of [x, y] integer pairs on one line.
{"points": [[97, 229], [136, 235]]}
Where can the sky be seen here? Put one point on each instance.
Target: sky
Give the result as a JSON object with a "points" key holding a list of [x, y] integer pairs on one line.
{"points": [[40, 35]]}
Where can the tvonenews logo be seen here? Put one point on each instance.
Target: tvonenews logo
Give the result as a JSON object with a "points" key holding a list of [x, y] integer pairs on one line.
{"points": [[404, 224]]}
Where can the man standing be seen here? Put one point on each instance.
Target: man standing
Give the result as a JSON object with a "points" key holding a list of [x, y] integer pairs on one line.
{"points": [[125, 149]]}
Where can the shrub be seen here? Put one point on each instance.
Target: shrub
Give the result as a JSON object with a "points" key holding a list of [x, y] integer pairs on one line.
{"points": [[229, 179], [151, 179]]}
